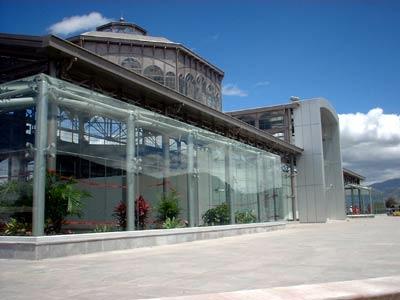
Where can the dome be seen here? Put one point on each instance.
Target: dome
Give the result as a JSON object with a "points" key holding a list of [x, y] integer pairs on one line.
{"points": [[122, 27]]}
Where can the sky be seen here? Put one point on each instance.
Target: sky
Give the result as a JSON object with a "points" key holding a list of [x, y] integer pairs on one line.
{"points": [[345, 51]]}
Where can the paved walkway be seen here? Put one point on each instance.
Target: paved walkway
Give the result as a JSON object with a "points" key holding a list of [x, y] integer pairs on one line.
{"points": [[303, 253]]}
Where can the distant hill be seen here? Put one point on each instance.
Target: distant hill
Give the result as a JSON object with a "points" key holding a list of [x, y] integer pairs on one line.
{"points": [[390, 188]]}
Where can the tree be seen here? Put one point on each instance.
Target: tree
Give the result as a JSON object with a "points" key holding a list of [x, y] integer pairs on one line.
{"points": [[391, 202]]}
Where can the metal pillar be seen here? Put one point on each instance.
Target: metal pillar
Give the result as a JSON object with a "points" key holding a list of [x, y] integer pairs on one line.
{"points": [[52, 126], [259, 188], [130, 173], [39, 178], [190, 181], [52, 136], [229, 184], [293, 188], [165, 147]]}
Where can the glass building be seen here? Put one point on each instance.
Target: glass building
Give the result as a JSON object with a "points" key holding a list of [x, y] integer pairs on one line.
{"points": [[117, 130], [54, 132]]}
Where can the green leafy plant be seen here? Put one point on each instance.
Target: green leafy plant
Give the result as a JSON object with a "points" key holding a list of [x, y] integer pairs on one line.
{"points": [[62, 199], [14, 227], [169, 207], [172, 223], [243, 217], [17, 194], [218, 215], [103, 228]]}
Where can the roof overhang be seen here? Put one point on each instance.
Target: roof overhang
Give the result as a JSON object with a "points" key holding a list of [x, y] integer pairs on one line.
{"points": [[85, 68], [352, 174], [256, 110]]}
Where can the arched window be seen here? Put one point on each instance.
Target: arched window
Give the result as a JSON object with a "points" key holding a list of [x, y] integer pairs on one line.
{"points": [[181, 84], [155, 73], [217, 101], [170, 80], [210, 96], [189, 85], [197, 88], [132, 64]]}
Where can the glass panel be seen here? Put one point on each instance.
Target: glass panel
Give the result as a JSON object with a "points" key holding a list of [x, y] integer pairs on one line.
{"points": [[212, 179], [17, 128], [286, 212], [244, 162], [183, 174], [91, 154], [162, 179]]}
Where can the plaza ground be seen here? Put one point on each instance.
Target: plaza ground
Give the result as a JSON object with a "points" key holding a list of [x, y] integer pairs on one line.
{"points": [[300, 254]]}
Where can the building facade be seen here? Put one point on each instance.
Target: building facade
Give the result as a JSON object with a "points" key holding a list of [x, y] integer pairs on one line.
{"points": [[125, 142], [312, 125], [131, 126], [168, 63]]}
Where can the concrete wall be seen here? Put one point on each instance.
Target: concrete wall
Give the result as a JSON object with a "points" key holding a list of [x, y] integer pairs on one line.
{"points": [[319, 182], [42, 247]]}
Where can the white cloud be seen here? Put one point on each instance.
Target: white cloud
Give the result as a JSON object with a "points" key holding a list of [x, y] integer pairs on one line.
{"points": [[73, 24], [371, 144], [262, 83], [232, 90]]}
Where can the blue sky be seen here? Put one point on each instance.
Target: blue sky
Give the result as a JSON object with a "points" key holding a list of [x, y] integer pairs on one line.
{"points": [[346, 51]]}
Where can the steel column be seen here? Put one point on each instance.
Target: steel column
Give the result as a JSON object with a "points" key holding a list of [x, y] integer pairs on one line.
{"points": [[39, 178], [166, 158], [190, 181], [293, 187], [259, 187], [229, 183], [130, 173]]}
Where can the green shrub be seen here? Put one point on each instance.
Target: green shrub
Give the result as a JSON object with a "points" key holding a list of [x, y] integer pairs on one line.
{"points": [[62, 199], [169, 207], [218, 215], [396, 213], [243, 217], [172, 223], [17, 193], [14, 227]]}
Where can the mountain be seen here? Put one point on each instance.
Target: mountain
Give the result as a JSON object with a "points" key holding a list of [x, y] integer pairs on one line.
{"points": [[390, 188]]}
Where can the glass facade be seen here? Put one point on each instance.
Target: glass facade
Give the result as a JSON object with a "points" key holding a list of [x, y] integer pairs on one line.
{"points": [[104, 165], [17, 127], [358, 201]]}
